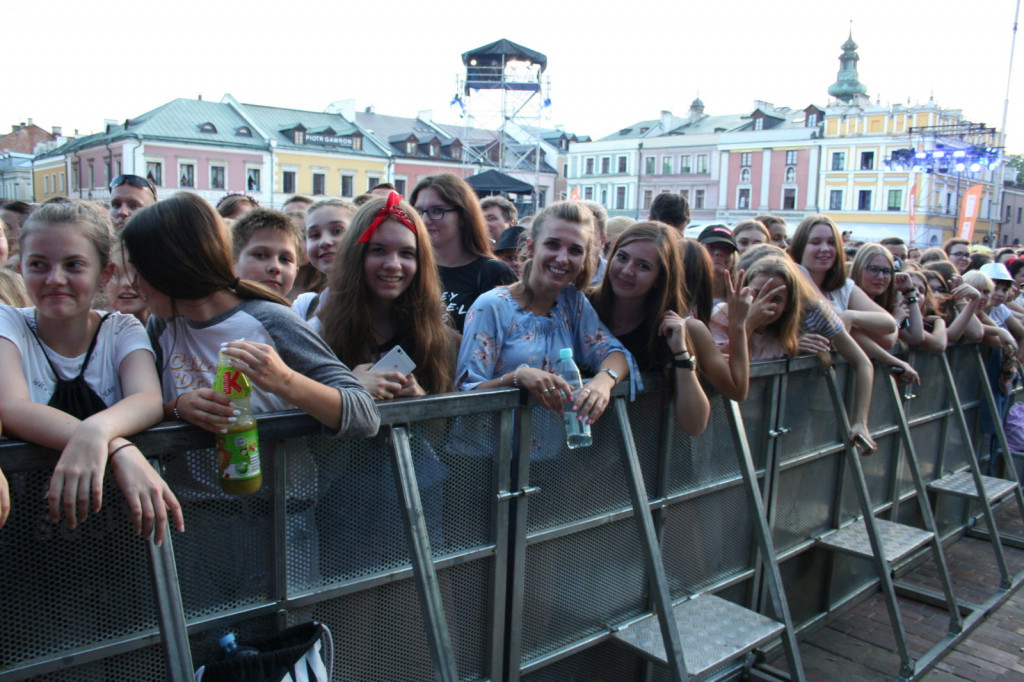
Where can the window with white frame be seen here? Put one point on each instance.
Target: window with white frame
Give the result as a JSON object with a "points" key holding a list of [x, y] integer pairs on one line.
{"points": [[252, 179], [186, 174], [684, 163], [759, 123], [698, 198], [743, 197], [155, 173], [685, 193], [604, 196], [218, 176], [348, 183], [46, 184], [620, 198], [666, 165], [867, 160], [400, 185], [745, 159], [895, 200], [588, 166], [588, 193], [835, 200], [288, 180], [864, 200], [372, 181], [789, 199], [606, 165], [319, 183], [649, 197], [838, 161], [410, 147], [812, 119], [791, 158], [649, 164], [702, 163], [622, 164], [62, 181]]}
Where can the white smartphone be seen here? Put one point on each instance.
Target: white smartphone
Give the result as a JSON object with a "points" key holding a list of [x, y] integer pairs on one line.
{"points": [[397, 360]]}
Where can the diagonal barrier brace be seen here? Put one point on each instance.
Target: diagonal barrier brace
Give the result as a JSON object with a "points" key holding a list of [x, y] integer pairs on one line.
{"points": [[424, 574], [864, 538], [956, 623], [971, 483], [640, 634], [768, 565]]}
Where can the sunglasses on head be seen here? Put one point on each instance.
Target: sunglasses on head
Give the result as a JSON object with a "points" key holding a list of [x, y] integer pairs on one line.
{"points": [[134, 181]]}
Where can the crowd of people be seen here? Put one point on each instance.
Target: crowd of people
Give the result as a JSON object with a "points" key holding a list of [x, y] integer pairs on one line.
{"points": [[114, 315]]}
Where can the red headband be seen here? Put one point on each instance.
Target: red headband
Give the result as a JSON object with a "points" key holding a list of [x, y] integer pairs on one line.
{"points": [[389, 211]]}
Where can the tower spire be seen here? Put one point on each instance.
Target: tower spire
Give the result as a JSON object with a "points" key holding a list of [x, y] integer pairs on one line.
{"points": [[847, 85]]}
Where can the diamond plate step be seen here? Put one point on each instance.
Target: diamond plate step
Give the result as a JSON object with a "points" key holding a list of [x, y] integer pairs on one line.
{"points": [[898, 540], [713, 631], [962, 484]]}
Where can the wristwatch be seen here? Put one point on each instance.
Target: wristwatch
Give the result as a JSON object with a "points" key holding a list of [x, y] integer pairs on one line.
{"points": [[612, 373]]}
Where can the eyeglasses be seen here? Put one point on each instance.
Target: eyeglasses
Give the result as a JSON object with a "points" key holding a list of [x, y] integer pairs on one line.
{"points": [[876, 271], [134, 181], [435, 212], [960, 254]]}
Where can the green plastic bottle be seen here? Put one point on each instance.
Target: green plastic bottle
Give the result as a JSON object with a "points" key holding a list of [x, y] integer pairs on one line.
{"points": [[238, 450]]}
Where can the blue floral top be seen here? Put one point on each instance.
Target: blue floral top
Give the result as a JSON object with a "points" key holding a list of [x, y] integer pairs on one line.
{"points": [[500, 336]]}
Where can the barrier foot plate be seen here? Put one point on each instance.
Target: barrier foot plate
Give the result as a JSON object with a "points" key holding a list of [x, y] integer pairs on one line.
{"points": [[898, 541], [713, 631], [962, 484]]}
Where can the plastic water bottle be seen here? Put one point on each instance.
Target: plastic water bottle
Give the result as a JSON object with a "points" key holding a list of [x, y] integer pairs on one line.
{"points": [[577, 433], [230, 649]]}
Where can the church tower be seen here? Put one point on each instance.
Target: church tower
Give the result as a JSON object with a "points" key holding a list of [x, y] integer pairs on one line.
{"points": [[847, 86]]}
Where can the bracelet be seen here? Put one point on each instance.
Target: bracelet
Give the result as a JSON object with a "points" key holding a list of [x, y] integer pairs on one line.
{"points": [[515, 375], [175, 408], [682, 352], [119, 448], [911, 299]]}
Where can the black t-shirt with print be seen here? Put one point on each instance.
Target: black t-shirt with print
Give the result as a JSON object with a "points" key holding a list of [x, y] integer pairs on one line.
{"points": [[460, 286]]}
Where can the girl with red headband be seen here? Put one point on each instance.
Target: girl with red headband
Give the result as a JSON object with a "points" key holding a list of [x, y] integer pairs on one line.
{"points": [[386, 292]]}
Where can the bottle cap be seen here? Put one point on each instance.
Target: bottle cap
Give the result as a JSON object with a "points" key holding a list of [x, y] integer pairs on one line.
{"points": [[227, 640], [565, 354]]}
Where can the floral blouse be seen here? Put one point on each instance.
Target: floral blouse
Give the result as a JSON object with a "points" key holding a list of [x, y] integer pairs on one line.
{"points": [[499, 336]]}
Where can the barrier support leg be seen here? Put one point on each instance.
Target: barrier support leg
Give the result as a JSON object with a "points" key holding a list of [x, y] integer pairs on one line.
{"points": [[416, 533], [170, 612]]}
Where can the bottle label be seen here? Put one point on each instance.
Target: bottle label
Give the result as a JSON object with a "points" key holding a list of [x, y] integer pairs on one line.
{"points": [[238, 455]]}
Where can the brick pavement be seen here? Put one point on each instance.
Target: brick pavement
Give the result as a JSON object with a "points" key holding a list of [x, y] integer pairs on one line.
{"points": [[859, 646]]}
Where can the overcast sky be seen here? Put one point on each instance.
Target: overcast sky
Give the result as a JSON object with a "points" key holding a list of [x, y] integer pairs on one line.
{"points": [[610, 63]]}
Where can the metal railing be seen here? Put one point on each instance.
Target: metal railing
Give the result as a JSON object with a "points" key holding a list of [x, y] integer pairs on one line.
{"points": [[466, 542]]}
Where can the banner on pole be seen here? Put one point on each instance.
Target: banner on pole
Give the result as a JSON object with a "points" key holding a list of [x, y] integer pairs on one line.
{"points": [[969, 212]]}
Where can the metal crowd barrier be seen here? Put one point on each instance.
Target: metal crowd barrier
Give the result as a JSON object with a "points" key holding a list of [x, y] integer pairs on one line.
{"points": [[465, 542]]}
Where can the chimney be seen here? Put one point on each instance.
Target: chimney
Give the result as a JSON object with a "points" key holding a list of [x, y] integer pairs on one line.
{"points": [[667, 121], [30, 122], [426, 115], [56, 130], [345, 107]]}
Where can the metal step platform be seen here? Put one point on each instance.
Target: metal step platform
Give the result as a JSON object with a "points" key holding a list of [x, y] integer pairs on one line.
{"points": [[962, 484], [898, 541], [712, 631]]}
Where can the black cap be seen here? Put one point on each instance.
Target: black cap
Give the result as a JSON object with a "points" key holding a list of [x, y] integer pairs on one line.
{"points": [[509, 239], [717, 234]]}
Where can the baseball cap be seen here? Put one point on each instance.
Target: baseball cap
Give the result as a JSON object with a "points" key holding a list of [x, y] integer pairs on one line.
{"points": [[509, 239], [717, 234]]}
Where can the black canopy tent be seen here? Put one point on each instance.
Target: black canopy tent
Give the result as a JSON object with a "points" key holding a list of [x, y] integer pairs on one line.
{"points": [[492, 182]]}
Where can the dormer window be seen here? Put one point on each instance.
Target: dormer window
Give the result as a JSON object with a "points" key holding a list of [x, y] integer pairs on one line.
{"points": [[357, 142], [299, 136], [759, 123], [207, 128], [243, 131], [410, 147], [812, 119], [432, 149]]}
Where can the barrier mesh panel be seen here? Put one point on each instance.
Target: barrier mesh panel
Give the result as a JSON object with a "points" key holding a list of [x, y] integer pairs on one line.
{"points": [[879, 470], [645, 420], [964, 366], [224, 556], [754, 411], [577, 585], [574, 483], [707, 539], [606, 662], [933, 393], [882, 414], [709, 457], [144, 664], [927, 444], [64, 589], [809, 416], [805, 502]]}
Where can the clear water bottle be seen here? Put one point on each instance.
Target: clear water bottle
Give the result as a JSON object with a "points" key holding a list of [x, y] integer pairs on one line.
{"points": [[577, 433], [230, 649]]}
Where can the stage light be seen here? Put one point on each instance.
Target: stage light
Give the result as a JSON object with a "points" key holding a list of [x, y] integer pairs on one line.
{"points": [[938, 153], [921, 155], [960, 168], [975, 167], [959, 153]]}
